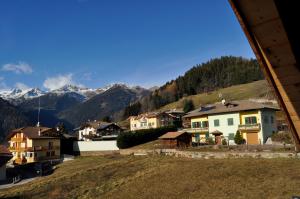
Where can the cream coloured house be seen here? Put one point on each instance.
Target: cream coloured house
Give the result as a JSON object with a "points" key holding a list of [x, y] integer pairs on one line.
{"points": [[151, 120], [255, 121], [33, 144]]}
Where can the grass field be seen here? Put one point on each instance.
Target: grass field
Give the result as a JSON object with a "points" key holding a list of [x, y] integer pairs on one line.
{"points": [[128, 177]]}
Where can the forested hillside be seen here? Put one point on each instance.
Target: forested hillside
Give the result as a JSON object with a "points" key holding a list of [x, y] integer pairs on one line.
{"points": [[214, 74], [10, 118]]}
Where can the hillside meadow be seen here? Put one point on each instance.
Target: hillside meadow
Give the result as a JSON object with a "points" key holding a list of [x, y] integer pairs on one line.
{"points": [[165, 177]]}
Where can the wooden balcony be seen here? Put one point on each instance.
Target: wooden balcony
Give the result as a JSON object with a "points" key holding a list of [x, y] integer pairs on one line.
{"points": [[32, 149], [18, 149], [249, 127], [18, 139]]}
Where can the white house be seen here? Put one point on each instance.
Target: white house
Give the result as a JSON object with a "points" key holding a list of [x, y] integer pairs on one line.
{"points": [[255, 121], [98, 130]]}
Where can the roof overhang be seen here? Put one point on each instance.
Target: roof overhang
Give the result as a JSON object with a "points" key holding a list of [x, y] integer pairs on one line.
{"points": [[271, 27]]}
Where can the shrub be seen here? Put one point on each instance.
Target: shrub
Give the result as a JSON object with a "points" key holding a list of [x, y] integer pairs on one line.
{"points": [[238, 138], [224, 142], [133, 138], [210, 141], [284, 137]]}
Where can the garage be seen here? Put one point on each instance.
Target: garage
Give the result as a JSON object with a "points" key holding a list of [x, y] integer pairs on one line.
{"points": [[252, 138]]}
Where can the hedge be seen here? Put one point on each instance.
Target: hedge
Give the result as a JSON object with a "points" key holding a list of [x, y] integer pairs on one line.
{"points": [[133, 138]]}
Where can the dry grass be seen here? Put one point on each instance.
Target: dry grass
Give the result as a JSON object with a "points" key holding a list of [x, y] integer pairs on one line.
{"points": [[166, 177], [257, 89]]}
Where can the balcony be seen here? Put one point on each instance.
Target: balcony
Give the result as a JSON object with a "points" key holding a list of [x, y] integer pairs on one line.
{"points": [[18, 139], [249, 127], [32, 149], [18, 149], [197, 130]]}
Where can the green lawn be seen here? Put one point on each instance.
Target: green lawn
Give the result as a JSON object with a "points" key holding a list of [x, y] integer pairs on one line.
{"points": [[128, 177]]}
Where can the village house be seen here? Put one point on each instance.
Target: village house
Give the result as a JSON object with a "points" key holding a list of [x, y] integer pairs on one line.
{"points": [[255, 121], [156, 120], [98, 130], [33, 144], [5, 156]]}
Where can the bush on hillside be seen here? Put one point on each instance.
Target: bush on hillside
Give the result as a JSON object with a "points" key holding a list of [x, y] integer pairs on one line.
{"points": [[133, 138], [188, 106]]}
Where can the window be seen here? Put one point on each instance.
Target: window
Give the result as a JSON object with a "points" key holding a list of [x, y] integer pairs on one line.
{"points": [[250, 120], [216, 122], [231, 136], [272, 120], [205, 124], [230, 121], [50, 145], [196, 124], [48, 153], [52, 153]]}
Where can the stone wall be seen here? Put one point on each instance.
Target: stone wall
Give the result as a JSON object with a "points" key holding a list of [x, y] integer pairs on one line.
{"points": [[209, 155]]}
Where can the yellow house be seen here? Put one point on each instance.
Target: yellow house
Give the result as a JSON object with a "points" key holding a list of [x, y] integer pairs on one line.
{"points": [[199, 130], [219, 121], [31, 144]]}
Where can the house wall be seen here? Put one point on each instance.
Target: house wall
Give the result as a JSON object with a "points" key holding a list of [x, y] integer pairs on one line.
{"points": [[257, 114], [268, 127], [153, 121], [86, 131], [224, 127], [82, 146], [199, 119], [22, 148]]}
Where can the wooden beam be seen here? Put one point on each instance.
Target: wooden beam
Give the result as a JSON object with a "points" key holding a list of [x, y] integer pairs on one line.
{"points": [[267, 67]]}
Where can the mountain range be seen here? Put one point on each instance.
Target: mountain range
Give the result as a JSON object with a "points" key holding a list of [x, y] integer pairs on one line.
{"points": [[69, 104], [74, 105]]}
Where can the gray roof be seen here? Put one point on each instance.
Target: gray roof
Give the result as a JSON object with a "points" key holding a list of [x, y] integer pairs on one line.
{"points": [[234, 106]]}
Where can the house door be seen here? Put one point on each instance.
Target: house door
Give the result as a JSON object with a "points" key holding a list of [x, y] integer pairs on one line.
{"points": [[218, 140], [252, 138]]}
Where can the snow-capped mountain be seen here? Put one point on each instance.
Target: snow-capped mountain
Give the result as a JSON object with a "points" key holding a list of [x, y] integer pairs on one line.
{"points": [[17, 95]]}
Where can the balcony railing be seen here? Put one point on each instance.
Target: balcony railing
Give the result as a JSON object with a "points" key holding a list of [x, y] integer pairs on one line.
{"points": [[18, 139], [32, 149], [249, 127], [196, 130]]}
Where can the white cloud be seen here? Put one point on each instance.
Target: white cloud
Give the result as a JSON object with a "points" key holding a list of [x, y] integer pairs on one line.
{"points": [[20, 67], [58, 81], [21, 86]]}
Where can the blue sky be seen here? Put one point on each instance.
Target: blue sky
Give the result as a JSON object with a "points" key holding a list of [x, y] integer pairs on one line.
{"points": [[48, 43]]}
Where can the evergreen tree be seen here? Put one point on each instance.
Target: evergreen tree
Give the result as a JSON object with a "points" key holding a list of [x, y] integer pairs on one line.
{"points": [[238, 138], [188, 106]]}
